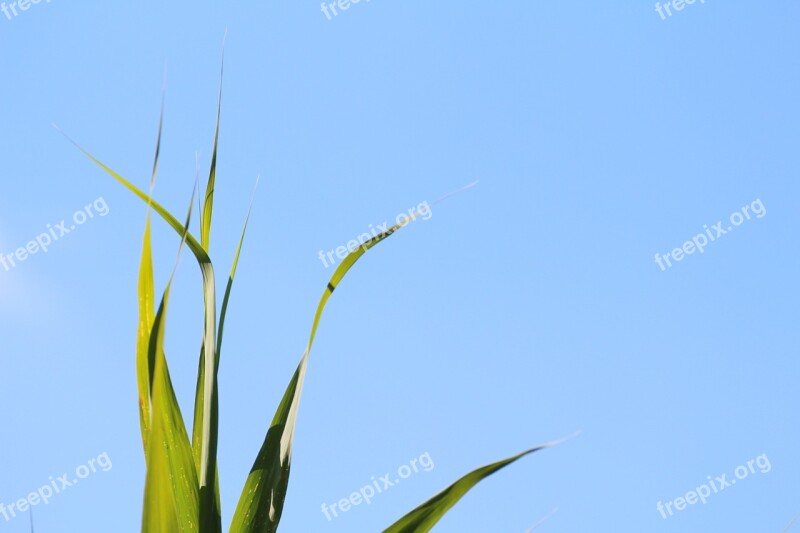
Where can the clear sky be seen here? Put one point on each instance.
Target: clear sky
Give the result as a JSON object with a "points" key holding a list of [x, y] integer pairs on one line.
{"points": [[522, 310]]}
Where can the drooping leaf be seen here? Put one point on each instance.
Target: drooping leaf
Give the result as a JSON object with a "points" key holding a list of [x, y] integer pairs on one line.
{"points": [[424, 517]]}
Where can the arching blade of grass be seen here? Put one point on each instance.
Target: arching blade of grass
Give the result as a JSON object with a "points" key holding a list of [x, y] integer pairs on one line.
{"points": [[261, 504], [424, 517], [171, 496], [198, 251]]}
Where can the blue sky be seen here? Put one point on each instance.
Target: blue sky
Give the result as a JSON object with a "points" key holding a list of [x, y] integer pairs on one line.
{"points": [[524, 309]]}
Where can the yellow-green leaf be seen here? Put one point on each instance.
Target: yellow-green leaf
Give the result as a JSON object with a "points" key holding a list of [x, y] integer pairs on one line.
{"points": [[172, 495], [209, 422], [208, 208], [147, 311]]}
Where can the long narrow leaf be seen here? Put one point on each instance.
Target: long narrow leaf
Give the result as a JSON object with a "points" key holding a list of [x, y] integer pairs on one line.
{"points": [[206, 420], [228, 288], [172, 496], [424, 517], [147, 311], [207, 213], [198, 408]]}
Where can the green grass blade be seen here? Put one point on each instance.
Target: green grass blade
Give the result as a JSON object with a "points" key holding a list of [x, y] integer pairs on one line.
{"points": [[261, 504], [206, 413], [207, 213], [144, 365], [424, 517], [197, 436], [232, 275], [197, 428], [147, 311], [198, 409], [212, 518], [171, 501], [172, 496]]}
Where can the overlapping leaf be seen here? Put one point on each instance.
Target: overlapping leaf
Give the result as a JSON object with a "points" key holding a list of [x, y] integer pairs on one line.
{"points": [[208, 422], [182, 483], [172, 495], [206, 413], [147, 311]]}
